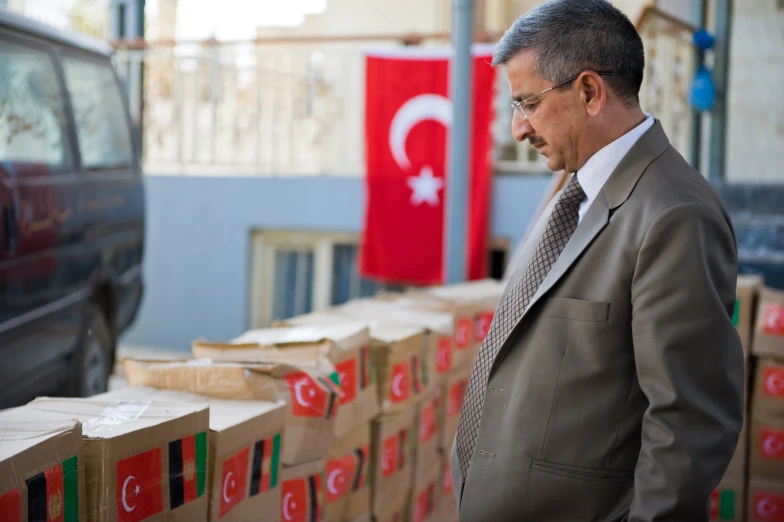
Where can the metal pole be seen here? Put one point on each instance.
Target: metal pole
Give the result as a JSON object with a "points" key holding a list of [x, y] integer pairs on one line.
{"points": [[699, 16], [718, 149], [459, 147]]}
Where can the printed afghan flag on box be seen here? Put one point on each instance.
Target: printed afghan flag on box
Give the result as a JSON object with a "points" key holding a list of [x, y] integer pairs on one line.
{"points": [[723, 504], [187, 469], [53, 495], [266, 463]]}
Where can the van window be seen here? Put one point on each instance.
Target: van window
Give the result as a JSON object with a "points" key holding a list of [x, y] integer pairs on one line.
{"points": [[101, 124], [32, 115]]}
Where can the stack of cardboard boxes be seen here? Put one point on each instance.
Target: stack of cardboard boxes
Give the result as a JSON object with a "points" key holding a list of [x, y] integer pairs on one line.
{"points": [[342, 416], [766, 429], [752, 489]]}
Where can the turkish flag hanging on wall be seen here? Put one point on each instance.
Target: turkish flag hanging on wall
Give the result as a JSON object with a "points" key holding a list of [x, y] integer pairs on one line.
{"points": [[408, 115]]}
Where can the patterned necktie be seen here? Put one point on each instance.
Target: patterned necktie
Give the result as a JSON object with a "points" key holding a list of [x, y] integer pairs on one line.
{"points": [[560, 227]]}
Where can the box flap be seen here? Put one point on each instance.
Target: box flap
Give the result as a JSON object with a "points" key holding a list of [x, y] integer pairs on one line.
{"points": [[113, 414], [224, 414], [23, 431]]}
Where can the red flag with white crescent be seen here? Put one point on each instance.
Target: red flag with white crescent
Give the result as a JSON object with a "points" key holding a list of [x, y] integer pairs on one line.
{"points": [[408, 114], [139, 491]]}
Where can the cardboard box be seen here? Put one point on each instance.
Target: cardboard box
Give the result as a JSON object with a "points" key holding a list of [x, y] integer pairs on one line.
{"points": [[446, 511], [727, 501], [310, 394], [303, 496], [466, 347], [425, 495], [346, 346], [143, 459], [392, 512], [765, 500], [454, 393], [429, 433], [245, 449], [484, 296], [347, 477], [748, 287], [768, 396], [397, 354], [769, 325], [42, 473], [439, 331], [391, 459], [766, 456]]}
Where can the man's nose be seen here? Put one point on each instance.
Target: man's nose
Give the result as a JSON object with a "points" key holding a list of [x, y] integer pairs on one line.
{"points": [[521, 127]]}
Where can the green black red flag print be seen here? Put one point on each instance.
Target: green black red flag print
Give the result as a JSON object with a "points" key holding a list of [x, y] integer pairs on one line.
{"points": [[266, 462], [187, 469], [53, 495]]}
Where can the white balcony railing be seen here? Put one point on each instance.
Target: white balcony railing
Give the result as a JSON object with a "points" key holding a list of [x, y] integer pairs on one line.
{"points": [[293, 108], [296, 106]]}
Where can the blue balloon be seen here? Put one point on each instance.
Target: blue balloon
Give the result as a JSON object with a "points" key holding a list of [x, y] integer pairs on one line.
{"points": [[703, 92], [703, 39]]}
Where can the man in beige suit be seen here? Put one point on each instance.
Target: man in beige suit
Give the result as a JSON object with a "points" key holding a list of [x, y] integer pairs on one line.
{"points": [[610, 385]]}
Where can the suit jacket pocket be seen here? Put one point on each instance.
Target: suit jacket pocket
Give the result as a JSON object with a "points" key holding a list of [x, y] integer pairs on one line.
{"points": [[590, 474], [576, 309], [573, 494]]}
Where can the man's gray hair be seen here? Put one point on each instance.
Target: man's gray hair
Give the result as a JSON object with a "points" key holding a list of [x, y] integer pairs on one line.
{"points": [[570, 36]]}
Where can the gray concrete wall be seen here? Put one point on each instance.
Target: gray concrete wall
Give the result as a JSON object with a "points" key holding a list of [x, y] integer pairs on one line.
{"points": [[197, 259]]}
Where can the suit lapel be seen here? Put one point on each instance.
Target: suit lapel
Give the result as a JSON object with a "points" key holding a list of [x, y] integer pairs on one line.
{"points": [[527, 252], [594, 221], [614, 193]]}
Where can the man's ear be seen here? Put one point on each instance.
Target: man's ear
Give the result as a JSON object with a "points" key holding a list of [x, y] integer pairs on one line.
{"points": [[593, 92]]}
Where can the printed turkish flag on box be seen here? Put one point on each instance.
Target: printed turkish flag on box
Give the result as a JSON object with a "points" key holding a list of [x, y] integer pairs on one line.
{"points": [[766, 500], [408, 114], [302, 493], [769, 329], [766, 456], [139, 492], [391, 435], [347, 485], [768, 396]]}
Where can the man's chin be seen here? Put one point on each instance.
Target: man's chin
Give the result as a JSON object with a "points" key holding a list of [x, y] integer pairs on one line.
{"points": [[554, 164]]}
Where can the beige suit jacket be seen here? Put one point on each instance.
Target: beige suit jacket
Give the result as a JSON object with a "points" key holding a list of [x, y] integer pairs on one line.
{"points": [[618, 396]]}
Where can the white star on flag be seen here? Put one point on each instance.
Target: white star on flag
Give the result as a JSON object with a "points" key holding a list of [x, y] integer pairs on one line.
{"points": [[425, 187], [137, 489]]}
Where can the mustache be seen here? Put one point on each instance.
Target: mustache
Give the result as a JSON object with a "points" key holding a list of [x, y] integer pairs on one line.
{"points": [[536, 141]]}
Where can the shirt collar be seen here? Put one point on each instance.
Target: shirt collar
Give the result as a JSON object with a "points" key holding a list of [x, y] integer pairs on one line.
{"points": [[596, 171]]}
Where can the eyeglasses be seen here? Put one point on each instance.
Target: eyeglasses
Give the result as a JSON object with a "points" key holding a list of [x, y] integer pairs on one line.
{"points": [[528, 106]]}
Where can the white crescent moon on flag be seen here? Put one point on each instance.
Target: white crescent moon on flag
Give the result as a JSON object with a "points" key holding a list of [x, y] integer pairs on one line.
{"points": [[396, 385], [774, 384], [772, 446], [225, 484], [124, 501], [774, 319], [765, 509], [298, 393], [386, 465], [286, 513], [331, 480], [442, 355], [462, 333], [420, 108]]}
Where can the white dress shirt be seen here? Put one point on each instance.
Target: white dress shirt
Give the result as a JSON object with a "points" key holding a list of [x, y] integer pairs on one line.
{"points": [[598, 168]]}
